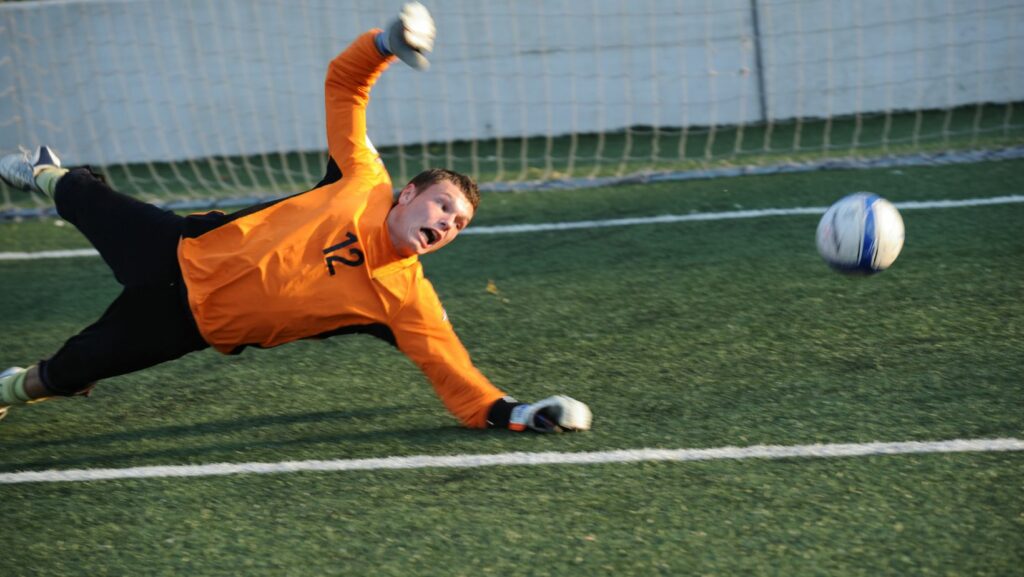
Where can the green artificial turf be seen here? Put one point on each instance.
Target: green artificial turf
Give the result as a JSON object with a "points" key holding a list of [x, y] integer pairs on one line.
{"points": [[685, 335]]}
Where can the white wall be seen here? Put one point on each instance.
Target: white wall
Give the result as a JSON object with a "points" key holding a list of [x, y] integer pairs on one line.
{"points": [[110, 81]]}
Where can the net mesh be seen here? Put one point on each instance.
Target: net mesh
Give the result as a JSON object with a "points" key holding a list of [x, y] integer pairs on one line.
{"points": [[189, 101]]}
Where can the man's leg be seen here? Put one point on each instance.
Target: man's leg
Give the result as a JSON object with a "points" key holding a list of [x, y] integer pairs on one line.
{"points": [[35, 172], [148, 324], [144, 327], [13, 388], [23, 386], [136, 239]]}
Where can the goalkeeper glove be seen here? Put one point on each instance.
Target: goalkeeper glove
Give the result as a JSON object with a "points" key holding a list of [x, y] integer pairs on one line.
{"points": [[410, 35], [552, 415]]}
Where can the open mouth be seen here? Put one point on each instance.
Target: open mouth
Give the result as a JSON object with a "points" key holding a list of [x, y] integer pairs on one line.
{"points": [[430, 235]]}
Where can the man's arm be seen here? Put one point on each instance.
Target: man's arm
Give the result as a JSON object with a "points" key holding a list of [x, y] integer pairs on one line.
{"points": [[353, 73], [423, 333], [350, 77]]}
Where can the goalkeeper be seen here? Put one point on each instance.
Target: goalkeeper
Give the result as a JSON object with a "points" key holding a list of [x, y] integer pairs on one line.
{"points": [[338, 259]]}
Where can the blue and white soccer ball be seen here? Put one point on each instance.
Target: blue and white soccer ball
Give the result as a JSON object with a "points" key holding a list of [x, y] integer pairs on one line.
{"points": [[861, 233]]}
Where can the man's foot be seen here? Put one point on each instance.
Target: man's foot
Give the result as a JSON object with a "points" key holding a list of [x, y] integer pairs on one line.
{"points": [[6, 374], [19, 169]]}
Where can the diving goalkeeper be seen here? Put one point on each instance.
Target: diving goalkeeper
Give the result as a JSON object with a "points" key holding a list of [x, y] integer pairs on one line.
{"points": [[338, 259]]}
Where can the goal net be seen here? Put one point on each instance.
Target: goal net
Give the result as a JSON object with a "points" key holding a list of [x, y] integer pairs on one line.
{"points": [[192, 102]]}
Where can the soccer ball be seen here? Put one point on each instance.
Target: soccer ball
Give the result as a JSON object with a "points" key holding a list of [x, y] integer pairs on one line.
{"points": [[861, 233]]}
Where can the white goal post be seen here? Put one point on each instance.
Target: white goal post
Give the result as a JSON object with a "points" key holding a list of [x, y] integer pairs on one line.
{"points": [[195, 99]]}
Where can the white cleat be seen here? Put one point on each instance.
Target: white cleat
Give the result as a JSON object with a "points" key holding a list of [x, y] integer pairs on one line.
{"points": [[20, 168], [7, 373]]}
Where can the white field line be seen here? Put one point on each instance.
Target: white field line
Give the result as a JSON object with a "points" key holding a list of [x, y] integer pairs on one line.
{"points": [[48, 254], [513, 459], [661, 219], [730, 215]]}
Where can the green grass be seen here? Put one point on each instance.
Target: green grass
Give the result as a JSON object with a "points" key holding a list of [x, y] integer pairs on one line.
{"points": [[879, 516], [679, 336]]}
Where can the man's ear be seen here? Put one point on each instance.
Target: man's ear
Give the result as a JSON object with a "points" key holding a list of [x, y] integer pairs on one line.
{"points": [[407, 194]]}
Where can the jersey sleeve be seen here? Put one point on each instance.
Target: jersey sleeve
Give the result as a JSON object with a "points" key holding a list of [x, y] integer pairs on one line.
{"points": [[423, 333], [350, 76]]}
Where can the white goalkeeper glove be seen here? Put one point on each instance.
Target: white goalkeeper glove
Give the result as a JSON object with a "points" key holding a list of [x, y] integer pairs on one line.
{"points": [[411, 35], [552, 415]]}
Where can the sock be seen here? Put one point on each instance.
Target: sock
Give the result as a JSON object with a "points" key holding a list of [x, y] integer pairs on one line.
{"points": [[12, 389], [47, 177]]}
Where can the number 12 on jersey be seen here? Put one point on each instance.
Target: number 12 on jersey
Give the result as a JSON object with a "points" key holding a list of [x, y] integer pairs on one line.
{"points": [[355, 256]]}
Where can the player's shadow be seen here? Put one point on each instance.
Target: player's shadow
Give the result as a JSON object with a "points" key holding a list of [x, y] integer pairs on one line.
{"points": [[185, 451], [219, 427]]}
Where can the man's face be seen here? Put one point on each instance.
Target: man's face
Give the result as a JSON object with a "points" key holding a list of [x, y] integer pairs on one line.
{"points": [[425, 220]]}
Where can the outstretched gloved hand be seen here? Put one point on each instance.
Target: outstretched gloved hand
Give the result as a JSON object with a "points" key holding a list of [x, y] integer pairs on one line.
{"points": [[411, 35], [552, 415]]}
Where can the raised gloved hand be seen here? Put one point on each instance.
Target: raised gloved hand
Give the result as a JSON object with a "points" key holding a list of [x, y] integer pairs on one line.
{"points": [[411, 35], [552, 415]]}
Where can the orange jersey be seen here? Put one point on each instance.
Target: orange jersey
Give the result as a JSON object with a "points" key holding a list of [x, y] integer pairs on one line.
{"points": [[322, 263]]}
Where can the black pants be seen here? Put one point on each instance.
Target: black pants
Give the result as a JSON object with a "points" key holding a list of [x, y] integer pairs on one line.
{"points": [[150, 321]]}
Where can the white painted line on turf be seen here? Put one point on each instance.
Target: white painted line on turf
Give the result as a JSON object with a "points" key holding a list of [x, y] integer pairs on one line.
{"points": [[48, 254], [729, 215], [582, 224], [512, 459]]}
